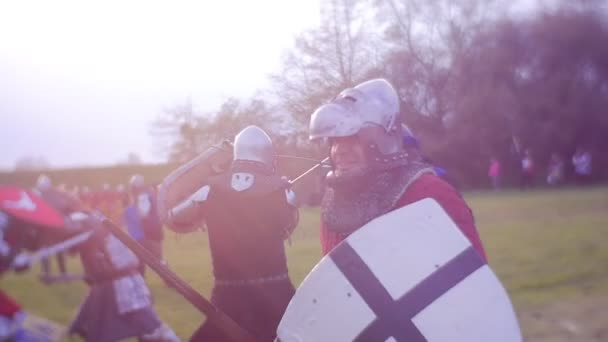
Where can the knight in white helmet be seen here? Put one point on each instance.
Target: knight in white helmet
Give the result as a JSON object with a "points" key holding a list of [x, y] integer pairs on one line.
{"points": [[141, 216], [248, 211], [43, 183], [64, 202], [373, 172]]}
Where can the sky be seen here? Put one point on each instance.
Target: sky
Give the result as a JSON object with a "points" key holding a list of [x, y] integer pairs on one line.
{"points": [[81, 82]]}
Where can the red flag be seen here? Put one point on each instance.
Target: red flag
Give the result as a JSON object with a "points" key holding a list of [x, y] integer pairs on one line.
{"points": [[27, 206]]}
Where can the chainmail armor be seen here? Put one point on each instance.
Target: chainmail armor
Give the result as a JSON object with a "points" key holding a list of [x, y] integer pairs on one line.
{"points": [[351, 201]]}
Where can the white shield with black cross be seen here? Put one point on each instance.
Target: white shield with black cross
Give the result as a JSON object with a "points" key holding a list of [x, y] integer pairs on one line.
{"points": [[410, 275]]}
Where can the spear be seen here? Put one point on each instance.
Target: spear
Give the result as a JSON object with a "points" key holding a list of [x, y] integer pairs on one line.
{"points": [[28, 259]]}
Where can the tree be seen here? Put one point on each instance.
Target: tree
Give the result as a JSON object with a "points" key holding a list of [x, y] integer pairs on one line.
{"points": [[474, 80], [179, 129], [325, 60], [32, 164], [189, 132], [540, 80], [131, 159]]}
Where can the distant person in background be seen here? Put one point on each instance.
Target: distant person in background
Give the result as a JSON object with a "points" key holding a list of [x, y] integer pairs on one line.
{"points": [[555, 170], [495, 173], [110, 203], [44, 188], [132, 221], [99, 199], [582, 163], [528, 170], [75, 192], [122, 196], [86, 197], [143, 199]]}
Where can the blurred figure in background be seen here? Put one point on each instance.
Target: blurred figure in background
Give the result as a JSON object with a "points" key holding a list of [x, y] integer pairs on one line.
{"points": [[108, 202], [495, 173], [44, 188], [528, 170], [582, 163], [555, 170], [144, 213], [122, 196], [86, 197], [131, 219]]}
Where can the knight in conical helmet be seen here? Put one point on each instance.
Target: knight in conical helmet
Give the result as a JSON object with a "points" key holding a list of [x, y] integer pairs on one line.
{"points": [[249, 212], [143, 213], [373, 172]]}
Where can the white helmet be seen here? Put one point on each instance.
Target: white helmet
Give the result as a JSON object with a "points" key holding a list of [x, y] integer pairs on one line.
{"points": [[43, 183], [371, 111], [136, 182], [253, 144], [374, 102]]}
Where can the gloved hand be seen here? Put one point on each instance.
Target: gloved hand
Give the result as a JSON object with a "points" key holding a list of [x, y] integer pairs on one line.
{"points": [[201, 194], [291, 197]]}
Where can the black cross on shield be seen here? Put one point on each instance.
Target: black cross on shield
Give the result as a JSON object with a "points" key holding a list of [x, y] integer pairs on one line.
{"points": [[394, 317]]}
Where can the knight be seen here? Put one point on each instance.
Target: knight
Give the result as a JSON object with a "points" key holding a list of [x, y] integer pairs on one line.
{"points": [[248, 211], [119, 303], [373, 172]]}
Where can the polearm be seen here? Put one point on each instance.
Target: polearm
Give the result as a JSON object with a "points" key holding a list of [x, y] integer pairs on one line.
{"points": [[43, 253], [217, 317], [319, 164], [285, 156]]}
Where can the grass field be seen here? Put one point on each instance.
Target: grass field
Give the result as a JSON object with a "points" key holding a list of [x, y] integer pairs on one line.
{"points": [[548, 247]]}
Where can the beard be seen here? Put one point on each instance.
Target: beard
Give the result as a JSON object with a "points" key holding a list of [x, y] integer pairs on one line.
{"points": [[352, 199]]}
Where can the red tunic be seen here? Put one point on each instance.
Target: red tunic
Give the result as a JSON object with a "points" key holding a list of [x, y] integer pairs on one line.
{"points": [[427, 186]]}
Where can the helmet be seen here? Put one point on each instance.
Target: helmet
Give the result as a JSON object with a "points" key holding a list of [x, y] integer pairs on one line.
{"points": [[371, 111], [43, 183], [253, 144], [136, 182]]}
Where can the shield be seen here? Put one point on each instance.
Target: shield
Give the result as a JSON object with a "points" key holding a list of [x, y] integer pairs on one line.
{"points": [[27, 206], [186, 179], [409, 275]]}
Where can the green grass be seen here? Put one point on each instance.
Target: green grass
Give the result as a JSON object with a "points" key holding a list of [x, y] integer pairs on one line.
{"points": [[546, 246]]}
